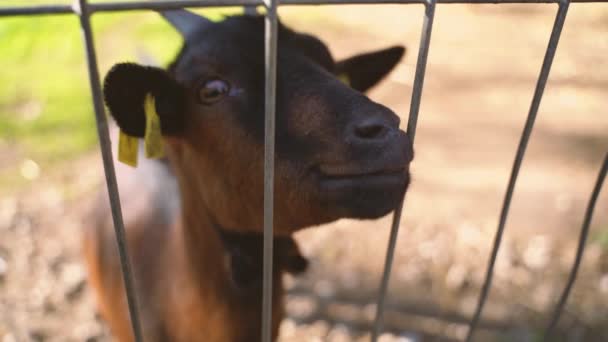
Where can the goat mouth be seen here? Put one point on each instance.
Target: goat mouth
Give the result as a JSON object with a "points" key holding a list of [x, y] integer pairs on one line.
{"points": [[360, 192], [348, 171], [336, 178]]}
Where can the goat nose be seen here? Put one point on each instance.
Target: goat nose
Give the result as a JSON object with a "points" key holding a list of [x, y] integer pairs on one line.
{"points": [[370, 130]]}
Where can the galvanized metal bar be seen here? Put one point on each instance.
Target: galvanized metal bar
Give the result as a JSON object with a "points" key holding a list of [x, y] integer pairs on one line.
{"points": [[372, 2], [270, 56], [560, 18], [601, 177], [81, 9], [251, 10], [35, 10], [423, 52], [168, 4]]}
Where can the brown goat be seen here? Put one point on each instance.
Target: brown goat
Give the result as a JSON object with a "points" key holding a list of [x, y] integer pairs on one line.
{"points": [[194, 220]]}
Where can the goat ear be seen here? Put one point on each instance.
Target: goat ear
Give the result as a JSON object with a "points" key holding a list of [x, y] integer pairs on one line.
{"points": [[365, 70], [125, 88]]}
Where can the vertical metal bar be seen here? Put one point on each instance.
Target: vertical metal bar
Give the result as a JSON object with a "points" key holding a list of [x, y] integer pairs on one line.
{"points": [[423, 52], [270, 51], [581, 248], [560, 18], [81, 9]]}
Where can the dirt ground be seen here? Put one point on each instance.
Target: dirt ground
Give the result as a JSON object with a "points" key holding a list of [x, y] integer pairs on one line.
{"points": [[483, 65]]}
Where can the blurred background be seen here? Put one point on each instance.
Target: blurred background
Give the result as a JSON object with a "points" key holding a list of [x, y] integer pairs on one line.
{"points": [[483, 65]]}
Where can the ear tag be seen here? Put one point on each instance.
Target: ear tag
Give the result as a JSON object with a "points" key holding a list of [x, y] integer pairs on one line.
{"points": [[344, 79], [127, 149], [153, 143]]}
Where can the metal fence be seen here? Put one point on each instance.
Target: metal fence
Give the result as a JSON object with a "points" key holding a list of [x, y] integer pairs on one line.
{"points": [[84, 10]]}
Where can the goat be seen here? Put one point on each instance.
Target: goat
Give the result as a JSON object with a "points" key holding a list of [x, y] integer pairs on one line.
{"points": [[194, 219]]}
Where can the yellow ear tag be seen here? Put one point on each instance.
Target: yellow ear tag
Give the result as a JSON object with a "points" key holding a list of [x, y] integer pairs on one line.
{"points": [[153, 143], [344, 79], [127, 149]]}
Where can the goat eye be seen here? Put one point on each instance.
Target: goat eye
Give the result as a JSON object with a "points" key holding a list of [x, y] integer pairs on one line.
{"points": [[212, 91]]}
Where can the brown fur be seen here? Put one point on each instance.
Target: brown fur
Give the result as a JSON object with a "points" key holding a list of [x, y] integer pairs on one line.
{"points": [[183, 272]]}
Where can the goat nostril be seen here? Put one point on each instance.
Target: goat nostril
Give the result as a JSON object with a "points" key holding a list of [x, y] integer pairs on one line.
{"points": [[370, 131]]}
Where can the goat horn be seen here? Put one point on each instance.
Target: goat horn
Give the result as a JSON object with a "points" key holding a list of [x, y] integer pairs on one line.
{"points": [[185, 22]]}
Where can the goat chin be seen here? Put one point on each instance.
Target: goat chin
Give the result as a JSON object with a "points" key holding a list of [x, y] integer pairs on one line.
{"points": [[362, 202]]}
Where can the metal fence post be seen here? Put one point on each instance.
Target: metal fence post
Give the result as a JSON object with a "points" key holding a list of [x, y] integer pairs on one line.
{"points": [[423, 52], [270, 41], [81, 9], [601, 177], [560, 18]]}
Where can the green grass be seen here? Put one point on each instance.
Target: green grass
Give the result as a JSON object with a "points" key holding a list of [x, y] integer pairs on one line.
{"points": [[45, 104]]}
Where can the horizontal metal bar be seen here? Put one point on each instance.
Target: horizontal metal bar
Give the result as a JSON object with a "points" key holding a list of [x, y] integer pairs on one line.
{"points": [[35, 10], [166, 4], [405, 2], [558, 24], [601, 177]]}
